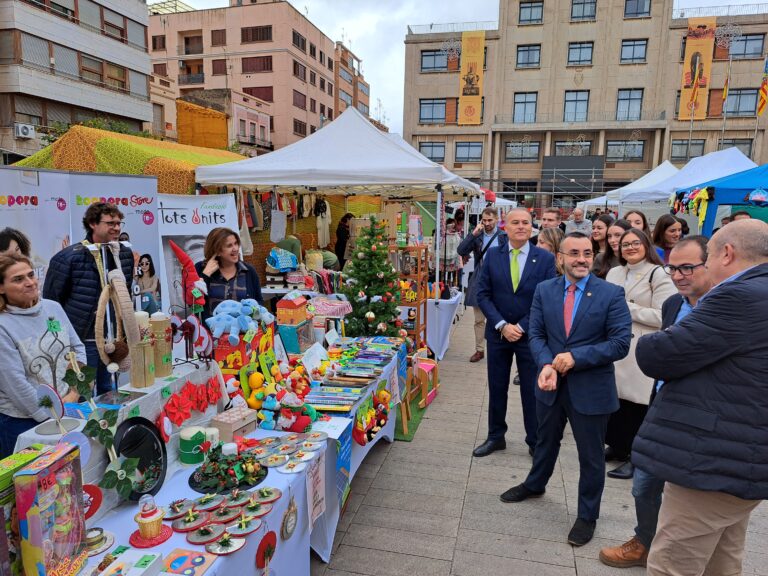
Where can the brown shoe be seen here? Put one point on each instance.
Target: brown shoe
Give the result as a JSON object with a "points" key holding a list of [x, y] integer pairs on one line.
{"points": [[477, 356], [631, 553]]}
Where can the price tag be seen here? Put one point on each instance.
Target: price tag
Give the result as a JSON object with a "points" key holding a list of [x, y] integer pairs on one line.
{"points": [[165, 392], [54, 326], [152, 368], [167, 359], [249, 336], [134, 412], [145, 561], [196, 293]]}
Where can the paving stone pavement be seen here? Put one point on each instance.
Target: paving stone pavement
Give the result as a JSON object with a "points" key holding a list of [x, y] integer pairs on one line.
{"points": [[427, 508]]}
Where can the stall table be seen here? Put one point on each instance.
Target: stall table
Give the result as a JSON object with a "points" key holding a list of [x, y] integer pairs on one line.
{"points": [[440, 316]]}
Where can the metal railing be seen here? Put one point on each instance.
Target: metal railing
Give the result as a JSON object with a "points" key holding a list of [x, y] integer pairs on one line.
{"points": [[592, 116], [191, 79], [191, 49], [728, 10], [452, 27], [253, 141]]}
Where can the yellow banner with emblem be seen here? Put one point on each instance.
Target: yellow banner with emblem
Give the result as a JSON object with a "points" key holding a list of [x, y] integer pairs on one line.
{"points": [[697, 68], [471, 78]]}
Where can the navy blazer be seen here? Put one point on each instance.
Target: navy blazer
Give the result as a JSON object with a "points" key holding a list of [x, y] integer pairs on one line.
{"points": [[495, 295], [599, 336]]}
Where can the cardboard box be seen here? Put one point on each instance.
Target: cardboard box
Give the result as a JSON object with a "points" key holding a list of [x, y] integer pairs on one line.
{"points": [[237, 421]]}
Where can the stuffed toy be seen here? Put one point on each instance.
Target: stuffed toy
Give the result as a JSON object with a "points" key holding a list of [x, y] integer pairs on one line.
{"points": [[271, 403], [235, 393], [267, 420], [195, 289], [256, 311], [292, 415], [258, 390]]}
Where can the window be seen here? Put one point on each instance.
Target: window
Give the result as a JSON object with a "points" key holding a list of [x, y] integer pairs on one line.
{"points": [[322, 57], [252, 130], [114, 24], [434, 61], [219, 67], [576, 106], [64, 8], [300, 71], [741, 102], [312, 78], [748, 46], [330, 64], [580, 53], [330, 89], [255, 34], [624, 150], [435, 151], [160, 69], [115, 76], [346, 75], [301, 43], [743, 144], [158, 42], [313, 51], [629, 104], [469, 151], [525, 107], [432, 111], [681, 152], [322, 109], [343, 96], [299, 100], [637, 8], [330, 113], [364, 88], [257, 64], [633, 51], [242, 127], [322, 84], [519, 152], [218, 37], [89, 14], [91, 69], [529, 56], [28, 110], [573, 148], [531, 12], [312, 129], [66, 61], [137, 34], [299, 127], [138, 84], [263, 92], [583, 9], [312, 105], [363, 108]]}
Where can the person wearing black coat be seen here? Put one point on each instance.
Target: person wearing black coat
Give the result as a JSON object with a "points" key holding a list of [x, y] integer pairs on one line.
{"points": [[73, 279], [706, 433]]}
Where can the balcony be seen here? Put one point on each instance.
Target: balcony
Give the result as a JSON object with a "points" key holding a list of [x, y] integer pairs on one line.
{"points": [[187, 79], [728, 10], [253, 141], [190, 45], [596, 120], [452, 28]]}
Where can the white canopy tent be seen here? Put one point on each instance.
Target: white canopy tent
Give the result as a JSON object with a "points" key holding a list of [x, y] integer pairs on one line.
{"points": [[663, 171]]}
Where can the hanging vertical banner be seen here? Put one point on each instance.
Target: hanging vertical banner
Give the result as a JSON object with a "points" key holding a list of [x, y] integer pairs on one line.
{"points": [[471, 78], [697, 68]]}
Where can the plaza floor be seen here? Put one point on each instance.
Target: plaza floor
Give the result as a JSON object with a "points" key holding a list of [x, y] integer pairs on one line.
{"points": [[427, 508]]}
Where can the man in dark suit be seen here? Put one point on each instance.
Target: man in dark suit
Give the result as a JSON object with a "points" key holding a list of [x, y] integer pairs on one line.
{"points": [[505, 290], [686, 268], [579, 326]]}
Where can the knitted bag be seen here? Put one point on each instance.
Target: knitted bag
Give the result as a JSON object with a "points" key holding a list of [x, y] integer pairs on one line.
{"points": [[282, 260]]}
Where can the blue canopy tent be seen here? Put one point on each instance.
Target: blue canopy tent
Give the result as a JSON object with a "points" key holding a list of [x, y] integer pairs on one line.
{"points": [[747, 188]]}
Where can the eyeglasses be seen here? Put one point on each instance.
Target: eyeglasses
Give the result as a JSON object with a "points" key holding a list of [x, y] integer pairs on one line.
{"points": [[144, 263], [685, 269], [112, 223], [576, 253], [635, 244]]}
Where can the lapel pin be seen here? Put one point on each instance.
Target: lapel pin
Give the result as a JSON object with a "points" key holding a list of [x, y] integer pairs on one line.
{"points": [[589, 293]]}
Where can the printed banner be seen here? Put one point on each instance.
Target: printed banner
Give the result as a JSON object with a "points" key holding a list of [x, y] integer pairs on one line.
{"points": [[697, 68], [315, 489], [187, 220], [471, 78]]}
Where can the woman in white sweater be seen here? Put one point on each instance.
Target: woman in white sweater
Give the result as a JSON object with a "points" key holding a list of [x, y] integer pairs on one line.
{"points": [[646, 287], [30, 329]]}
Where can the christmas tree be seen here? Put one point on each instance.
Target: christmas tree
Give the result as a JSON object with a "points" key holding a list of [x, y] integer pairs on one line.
{"points": [[372, 286]]}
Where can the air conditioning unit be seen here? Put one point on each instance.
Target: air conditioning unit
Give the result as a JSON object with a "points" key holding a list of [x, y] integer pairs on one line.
{"points": [[24, 131]]}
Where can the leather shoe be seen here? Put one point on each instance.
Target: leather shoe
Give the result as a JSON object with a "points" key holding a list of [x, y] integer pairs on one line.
{"points": [[477, 356], [623, 472], [631, 553], [519, 493], [582, 532], [612, 456], [489, 446]]}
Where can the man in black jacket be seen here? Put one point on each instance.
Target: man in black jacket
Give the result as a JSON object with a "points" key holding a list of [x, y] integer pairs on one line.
{"points": [[73, 279], [686, 268], [706, 434]]}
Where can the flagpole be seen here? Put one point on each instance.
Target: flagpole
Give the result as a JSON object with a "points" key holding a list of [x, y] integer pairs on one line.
{"points": [[725, 97], [724, 37], [690, 130], [754, 139]]}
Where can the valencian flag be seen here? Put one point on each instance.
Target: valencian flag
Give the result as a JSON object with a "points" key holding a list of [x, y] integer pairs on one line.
{"points": [[763, 99], [725, 86]]}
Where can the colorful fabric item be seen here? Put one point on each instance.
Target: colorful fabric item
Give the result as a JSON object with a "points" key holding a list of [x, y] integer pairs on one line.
{"points": [[282, 260]]}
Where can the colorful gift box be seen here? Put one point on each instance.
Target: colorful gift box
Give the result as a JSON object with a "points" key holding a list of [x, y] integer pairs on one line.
{"points": [[297, 339]]}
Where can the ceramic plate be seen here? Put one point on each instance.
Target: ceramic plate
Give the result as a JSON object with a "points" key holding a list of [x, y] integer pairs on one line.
{"points": [[224, 515], [262, 510], [181, 525], [253, 525], [311, 446], [213, 532], [317, 436], [274, 460], [292, 468], [285, 449], [267, 494], [242, 498], [294, 438], [260, 451], [269, 440], [303, 456], [208, 502], [171, 513], [235, 545]]}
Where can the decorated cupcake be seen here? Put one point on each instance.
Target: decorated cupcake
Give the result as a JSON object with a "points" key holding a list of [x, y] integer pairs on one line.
{"points": [[149, 518]]}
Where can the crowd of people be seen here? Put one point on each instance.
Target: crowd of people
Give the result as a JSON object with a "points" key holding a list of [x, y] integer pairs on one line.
{"points": [[642, 340]]}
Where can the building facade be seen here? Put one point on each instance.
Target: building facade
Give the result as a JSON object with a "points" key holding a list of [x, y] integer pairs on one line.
{"points": [[579, 96], [351, 87], [267, 50], [69, 61]]}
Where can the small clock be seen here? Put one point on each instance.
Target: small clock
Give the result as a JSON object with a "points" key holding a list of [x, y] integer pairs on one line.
{"points": [[290, 519]]}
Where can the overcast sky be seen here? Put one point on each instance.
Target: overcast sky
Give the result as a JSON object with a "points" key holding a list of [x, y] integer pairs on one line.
{"points": [[375, 32]]}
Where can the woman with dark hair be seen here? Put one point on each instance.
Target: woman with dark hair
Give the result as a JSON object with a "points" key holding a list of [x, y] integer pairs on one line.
{"points": [[646, 287], [342, 238], [666, 233], [638, 220], [149, 284], [224, 273], [26, 338], [610, 258], [13, 241], [599, 232]]}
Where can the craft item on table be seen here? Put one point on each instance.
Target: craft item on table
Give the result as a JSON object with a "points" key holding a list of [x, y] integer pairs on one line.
{"points": [[238, 497], [282, 260], [256, 508], [188, 562], [164, 426], [194, 287], [225, 545], [303, 456], [191, 439], [229, 449], [267, 494], [297, 338], [205, 534], [92, 500], [208, 502], [244, 443], [160, 326], [220, 473], [292, 467], [287, 449], [238, 421], [49, 399], [114, 347], [178, 508], [290, 520], [244, 526], [317, 436], [308, 446], [235, 396], [270, 440], [178, 409], [274, 460], [295, 437], [224, 513], [295, 415], [97, 541], [134, 563], [49, 508], [214, 390], [212, 436], [258, 390], [292, 309], [260, 451], [192, 520], [266, 551], [152, 531]]}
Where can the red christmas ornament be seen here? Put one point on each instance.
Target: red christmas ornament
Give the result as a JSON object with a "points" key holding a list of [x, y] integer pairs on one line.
{"points": [[373, 248]]}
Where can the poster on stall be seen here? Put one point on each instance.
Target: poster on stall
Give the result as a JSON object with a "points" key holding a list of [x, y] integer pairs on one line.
{"points": [[316, 488], [187, 220], [37, 204]]}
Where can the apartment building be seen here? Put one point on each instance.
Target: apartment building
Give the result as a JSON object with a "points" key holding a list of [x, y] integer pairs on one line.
{"points": [[68, 61], [580, 96], [268, 50], [351, 87]]}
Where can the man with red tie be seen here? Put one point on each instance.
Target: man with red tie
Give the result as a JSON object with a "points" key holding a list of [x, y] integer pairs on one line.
{"points": [[579, 326]]}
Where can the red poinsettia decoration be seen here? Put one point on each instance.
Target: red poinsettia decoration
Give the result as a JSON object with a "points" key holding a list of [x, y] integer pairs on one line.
{"points": [[214, 390], [178, 409], [201, 397], [188, 391], [205, 446], [244, 443]]}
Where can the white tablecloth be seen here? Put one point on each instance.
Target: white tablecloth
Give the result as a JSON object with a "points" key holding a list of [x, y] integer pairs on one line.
{"points": [[440, 315]]}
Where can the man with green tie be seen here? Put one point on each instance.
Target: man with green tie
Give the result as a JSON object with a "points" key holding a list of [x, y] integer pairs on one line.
{"points": [[505, 291]]}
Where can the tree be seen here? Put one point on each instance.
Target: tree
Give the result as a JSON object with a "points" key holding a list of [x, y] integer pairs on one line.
{"points": [[372, 286]]}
